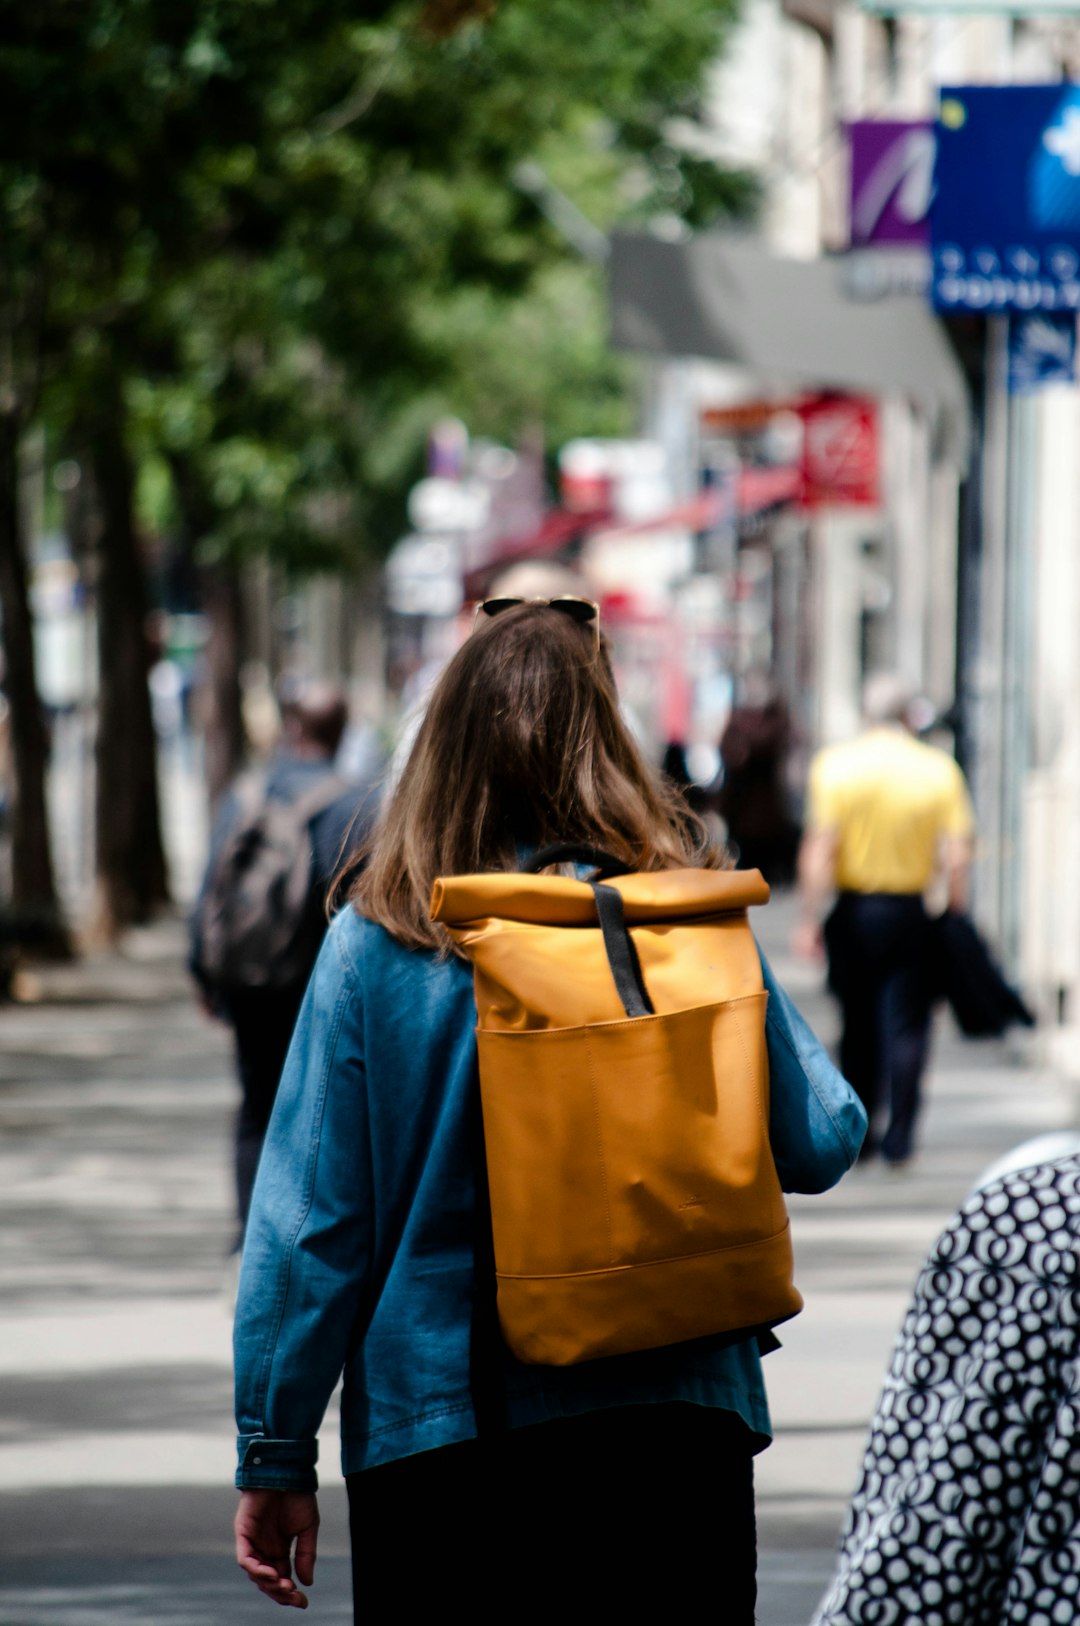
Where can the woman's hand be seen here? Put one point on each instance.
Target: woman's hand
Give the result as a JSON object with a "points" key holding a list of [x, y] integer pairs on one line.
{"points": [[268, 1523]]}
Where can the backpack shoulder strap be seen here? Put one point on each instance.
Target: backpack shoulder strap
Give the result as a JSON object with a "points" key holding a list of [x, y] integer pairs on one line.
{"points": [[318, 798], [618, 944], [621, 953]]}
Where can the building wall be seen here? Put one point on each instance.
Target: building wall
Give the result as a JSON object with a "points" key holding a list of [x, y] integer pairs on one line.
{"points": [[797, 70], [807, 80], [1027, 703]]}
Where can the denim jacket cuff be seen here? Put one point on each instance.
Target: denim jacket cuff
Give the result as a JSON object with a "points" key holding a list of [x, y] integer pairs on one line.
{"points": [[276, 1464]]}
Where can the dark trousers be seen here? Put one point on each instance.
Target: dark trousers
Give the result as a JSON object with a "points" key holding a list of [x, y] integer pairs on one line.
{"points": [[262, 1021], [878, 946], [636, 1513]]}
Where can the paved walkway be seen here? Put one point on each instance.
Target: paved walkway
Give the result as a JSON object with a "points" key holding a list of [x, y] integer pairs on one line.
{"points": [[115, 1434]]}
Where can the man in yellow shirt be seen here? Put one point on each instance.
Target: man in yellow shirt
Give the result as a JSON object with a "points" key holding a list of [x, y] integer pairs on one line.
{"points": [[886, 817]]}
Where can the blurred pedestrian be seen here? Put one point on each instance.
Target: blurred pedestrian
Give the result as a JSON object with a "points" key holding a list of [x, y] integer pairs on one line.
{"points": [[750, 793], [674, 766], [260, 916], [967, 1508], [886, 814], [365, 1244]]}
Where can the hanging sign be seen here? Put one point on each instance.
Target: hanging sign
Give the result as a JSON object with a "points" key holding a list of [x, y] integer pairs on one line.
{"points": [[892, 182], [1042, 350], [1005, 219], [840, 462]]}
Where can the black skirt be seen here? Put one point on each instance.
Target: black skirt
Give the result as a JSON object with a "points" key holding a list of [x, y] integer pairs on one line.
{"points": [[638, 1512]]}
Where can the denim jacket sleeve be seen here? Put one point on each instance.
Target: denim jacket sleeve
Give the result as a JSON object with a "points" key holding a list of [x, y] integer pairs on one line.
{"points": [[816, 1121], [307, 1249]]}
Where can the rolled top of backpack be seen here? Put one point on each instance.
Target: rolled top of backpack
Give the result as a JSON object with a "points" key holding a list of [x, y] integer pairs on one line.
{"points": [[655, 896]]}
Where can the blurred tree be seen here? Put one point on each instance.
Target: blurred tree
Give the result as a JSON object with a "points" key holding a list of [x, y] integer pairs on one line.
{"points": [[263, 443], [387, 250], [34, 905], [129, 853], [444, 182], [271, 241]]}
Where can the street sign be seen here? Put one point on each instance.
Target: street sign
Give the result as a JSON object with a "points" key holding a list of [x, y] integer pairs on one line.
{"points": [[1042, 350], [423, 575], [892, 182], [867, 274], [631, 477], [1005, 219], [840, 463], [436, 504], [448, 449]]}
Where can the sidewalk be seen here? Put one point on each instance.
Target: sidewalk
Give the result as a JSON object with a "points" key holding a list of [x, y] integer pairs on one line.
{"points": [[116, 1440]]}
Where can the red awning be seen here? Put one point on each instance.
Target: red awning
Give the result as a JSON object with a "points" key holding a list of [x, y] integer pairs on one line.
{"points": [[756, 490], [699, 513], [557, 529], [759, 489]]}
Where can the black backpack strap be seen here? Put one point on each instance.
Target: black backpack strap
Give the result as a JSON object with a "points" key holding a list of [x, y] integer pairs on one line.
{"points": [[621, 953], [619, 945], [576, 852]]}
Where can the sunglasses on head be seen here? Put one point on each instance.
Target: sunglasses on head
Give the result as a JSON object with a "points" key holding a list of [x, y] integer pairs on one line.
{"points": [[581, 610]]}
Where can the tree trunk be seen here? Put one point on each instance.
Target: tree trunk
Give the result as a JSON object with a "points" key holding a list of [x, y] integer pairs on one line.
{"points": [[35, 908], [226, 743], [131, 870], [223, 602]]}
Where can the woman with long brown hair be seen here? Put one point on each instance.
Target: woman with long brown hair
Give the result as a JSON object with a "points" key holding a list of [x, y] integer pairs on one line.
{"points": [[611, 1485]]}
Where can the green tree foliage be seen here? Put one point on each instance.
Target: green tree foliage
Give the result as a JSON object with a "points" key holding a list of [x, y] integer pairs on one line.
{"points": [[264, 243], [295, 220]]}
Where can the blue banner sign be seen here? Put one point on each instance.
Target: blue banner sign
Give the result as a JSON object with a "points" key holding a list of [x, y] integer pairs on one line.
{"points": [[1005, 220], [1042, 350]]}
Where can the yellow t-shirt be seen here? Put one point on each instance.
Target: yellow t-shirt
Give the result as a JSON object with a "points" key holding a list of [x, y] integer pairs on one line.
{"points": [[890, 801]]}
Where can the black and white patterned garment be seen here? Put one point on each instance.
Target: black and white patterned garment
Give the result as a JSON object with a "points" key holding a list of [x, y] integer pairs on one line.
{"points": [[968, 1509]]}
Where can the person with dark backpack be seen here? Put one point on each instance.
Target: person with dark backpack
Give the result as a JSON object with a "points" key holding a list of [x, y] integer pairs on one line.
{"points": [[279, 839]]}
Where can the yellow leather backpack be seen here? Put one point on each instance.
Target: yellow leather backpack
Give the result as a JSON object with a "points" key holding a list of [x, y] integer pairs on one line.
{"points": [[625, 1091]]}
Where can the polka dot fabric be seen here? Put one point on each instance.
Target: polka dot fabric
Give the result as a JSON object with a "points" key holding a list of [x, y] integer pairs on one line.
{"points": [[967, 1512]]}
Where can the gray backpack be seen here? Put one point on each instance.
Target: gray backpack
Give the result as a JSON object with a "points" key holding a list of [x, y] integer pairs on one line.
{"points": [[261, 920]]}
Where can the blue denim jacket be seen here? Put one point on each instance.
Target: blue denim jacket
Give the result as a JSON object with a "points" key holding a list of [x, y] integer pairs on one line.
{"points": [[359, 1250]]}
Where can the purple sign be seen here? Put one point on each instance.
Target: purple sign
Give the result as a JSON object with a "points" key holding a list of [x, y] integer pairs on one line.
{"points": [[892, 182]]}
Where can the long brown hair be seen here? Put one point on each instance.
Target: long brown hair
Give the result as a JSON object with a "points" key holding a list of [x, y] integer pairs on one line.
{"points": [[522, 745]]}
